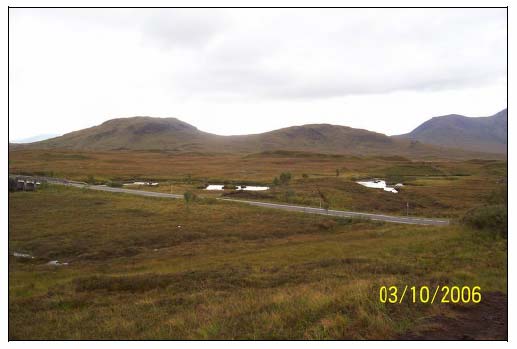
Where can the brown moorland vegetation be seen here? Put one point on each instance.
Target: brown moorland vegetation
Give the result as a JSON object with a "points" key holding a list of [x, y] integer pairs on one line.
{"points": [[441, 188], [148, 268]]}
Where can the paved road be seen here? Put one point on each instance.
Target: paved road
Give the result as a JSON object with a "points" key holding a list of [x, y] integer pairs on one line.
{"points": [[371, 216], [127, 191], [314, 210]]}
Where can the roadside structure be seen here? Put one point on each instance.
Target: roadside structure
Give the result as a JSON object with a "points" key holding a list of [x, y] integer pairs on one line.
{"points": [[20, 185], [30, 186]]}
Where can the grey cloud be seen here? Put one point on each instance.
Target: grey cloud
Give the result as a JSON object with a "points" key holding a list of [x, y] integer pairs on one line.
{"points": [[180, 28], [95, 63], [314, 54], [329, 55]]}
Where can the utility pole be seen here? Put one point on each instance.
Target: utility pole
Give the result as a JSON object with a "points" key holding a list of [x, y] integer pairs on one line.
{"points": [[407, 208]]}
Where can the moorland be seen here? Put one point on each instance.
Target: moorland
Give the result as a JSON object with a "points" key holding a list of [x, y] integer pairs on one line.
{"points": [[97, 265]]}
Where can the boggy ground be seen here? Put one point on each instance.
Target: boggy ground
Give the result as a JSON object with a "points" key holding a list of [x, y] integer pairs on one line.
{"points": [[487, 320], [149, 268], [433, 188]]}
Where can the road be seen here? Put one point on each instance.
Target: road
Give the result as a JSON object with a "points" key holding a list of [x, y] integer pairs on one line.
{"points": [[126, 191], [351, 214], [285, 207]]}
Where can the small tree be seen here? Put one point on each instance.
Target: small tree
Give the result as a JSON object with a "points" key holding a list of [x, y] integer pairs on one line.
{"points": [[276, 182], [189, 197], [285, 178], [337, 172]]}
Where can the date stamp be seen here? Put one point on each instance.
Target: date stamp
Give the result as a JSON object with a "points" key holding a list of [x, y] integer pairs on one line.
{"points": [[430, 294]]}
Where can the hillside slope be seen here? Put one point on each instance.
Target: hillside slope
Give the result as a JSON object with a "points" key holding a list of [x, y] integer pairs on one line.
{"points": [[131, 133], [171, 134], [484, 134]]}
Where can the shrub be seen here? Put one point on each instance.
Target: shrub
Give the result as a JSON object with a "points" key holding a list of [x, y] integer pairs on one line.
{"points": [[285, 178], [229, 186], [305, 175], [189, 197], [114, 184], [492, 219], [91, 180]]}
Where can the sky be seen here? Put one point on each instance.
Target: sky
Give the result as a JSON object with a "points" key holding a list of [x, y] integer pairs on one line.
{"points": [[243, 71]]}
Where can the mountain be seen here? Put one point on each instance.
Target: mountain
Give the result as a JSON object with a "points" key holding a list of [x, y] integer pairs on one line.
{"points": [[137, 133], [484, 134], [171, 134]]}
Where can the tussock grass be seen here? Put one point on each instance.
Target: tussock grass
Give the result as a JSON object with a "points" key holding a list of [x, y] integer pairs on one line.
{"points": [[148, 268]]}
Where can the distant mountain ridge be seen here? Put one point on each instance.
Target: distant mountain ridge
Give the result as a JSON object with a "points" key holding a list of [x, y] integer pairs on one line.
{"points": [[36, 138], [485, 134], [138, 133], [171, 134], [145, 133]]}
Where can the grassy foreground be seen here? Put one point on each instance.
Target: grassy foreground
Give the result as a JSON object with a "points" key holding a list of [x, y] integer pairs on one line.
{"points": [[148, 268]]}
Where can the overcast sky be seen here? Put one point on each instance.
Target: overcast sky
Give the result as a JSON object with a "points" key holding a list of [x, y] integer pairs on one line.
{"points": [[240, 71]]}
